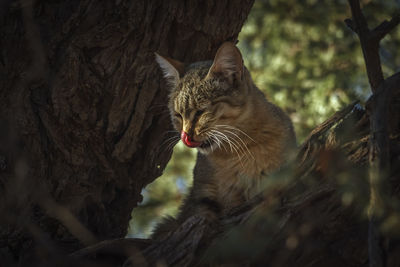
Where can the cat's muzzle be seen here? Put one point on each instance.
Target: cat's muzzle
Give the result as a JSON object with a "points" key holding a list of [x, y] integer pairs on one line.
{"points": [[187, 140]]}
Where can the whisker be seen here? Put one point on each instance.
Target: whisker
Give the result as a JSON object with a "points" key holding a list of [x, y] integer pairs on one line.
{"points": [[170, 143], [233, 145], [237, 129], [223, 136], [216, 140], [233, 142], [213, 138], [210, 136], [244, 144], [210, 144], [167, 140], [238, 137]]}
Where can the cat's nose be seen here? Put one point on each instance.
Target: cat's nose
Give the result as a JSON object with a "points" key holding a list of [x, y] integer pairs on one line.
{"points": [[187, 140]]}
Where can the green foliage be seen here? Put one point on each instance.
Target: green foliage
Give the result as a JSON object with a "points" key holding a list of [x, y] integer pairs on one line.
{"points": [[306, 60]]}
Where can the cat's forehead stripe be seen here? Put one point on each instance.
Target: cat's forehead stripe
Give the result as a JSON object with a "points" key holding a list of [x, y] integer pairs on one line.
{"points": [[176, 106], [186, 102]]}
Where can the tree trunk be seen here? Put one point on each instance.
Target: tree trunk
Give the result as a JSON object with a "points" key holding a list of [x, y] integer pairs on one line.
{"points": [[83, 112]]}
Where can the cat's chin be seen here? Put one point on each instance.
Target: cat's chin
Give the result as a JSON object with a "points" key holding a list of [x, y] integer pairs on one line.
{"points": [[205, 148], [204, 151]]}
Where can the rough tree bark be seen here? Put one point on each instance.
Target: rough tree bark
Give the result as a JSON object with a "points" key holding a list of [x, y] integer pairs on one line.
{"points": [[83, 114]]}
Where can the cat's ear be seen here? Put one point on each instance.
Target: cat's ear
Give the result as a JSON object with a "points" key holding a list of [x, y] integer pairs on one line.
{"points": [[228, 61], [172, 69]]}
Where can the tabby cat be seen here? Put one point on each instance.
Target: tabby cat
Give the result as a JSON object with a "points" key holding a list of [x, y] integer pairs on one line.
{"points": [[240, 136]]}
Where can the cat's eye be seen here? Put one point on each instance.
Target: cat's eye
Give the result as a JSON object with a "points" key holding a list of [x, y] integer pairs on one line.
{"points": [[198, 113], [178, 116]]}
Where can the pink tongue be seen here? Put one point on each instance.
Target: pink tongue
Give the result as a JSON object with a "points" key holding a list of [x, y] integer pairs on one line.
{"points": [[186, 140]]}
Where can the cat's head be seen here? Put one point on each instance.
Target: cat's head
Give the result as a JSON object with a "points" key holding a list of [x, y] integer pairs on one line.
{"points": [[207, 99]]}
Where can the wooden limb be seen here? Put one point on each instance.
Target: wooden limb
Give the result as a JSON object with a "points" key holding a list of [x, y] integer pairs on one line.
{"points": [[385, 27], [369, 45], [378, 158], [378, 106], [358, 18], [379, 155], [379, 140], [369, 40]]}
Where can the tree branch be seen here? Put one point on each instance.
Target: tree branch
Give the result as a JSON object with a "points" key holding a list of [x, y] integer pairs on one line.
{"points": [[369, 45], [379, 140], [359, 19], [379, 157], [385, 27]]}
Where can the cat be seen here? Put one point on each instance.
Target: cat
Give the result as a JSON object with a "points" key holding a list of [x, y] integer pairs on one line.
{"points": [[240, 136]]}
